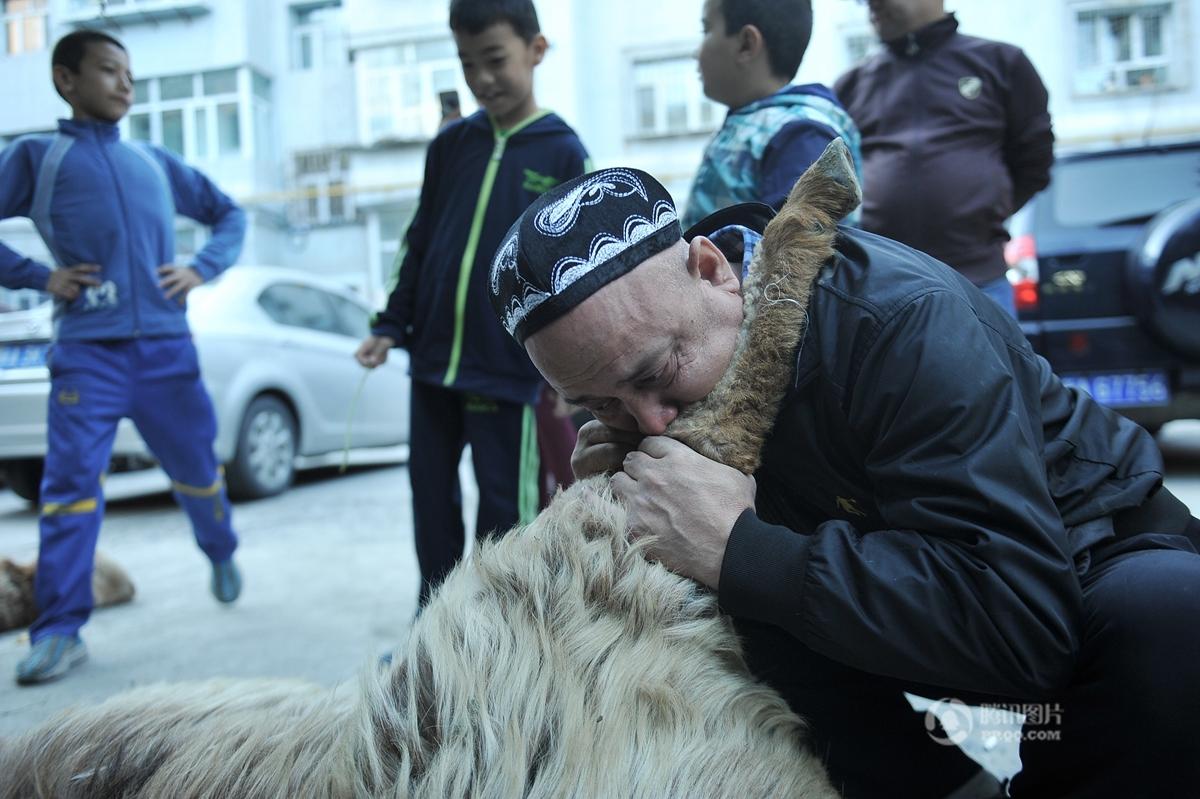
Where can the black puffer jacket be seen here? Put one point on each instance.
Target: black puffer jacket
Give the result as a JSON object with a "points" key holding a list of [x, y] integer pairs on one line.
{"points": [[930, 489]]}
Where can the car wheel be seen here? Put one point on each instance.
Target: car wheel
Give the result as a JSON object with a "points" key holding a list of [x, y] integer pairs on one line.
{"points": [[24, 478], [265, 460], [1164, 278]]}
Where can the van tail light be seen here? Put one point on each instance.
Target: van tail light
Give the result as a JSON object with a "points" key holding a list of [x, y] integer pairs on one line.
{"points": [[1021, 255]]}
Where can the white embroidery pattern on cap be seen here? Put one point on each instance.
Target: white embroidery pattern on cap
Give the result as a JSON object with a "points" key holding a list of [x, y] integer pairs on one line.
{"points": [[525, 296], [557, 218], [606, 246]]}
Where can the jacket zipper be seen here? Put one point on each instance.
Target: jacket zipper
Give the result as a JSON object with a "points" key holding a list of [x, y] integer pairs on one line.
{"points": [[468, 259], [133, 281]]}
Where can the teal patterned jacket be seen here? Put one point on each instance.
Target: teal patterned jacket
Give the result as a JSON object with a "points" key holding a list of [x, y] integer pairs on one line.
{"points": [[763, 147]]}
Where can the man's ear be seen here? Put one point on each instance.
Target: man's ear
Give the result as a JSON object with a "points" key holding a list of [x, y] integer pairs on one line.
{"points": [[750, 44], [708, 263]]}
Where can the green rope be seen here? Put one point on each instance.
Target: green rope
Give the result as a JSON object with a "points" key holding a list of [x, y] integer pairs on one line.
{"points": [[350, 420]]}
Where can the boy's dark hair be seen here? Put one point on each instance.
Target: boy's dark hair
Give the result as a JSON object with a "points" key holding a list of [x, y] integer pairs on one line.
{"points": [[786, 27], [474, 16], [70, 49]]}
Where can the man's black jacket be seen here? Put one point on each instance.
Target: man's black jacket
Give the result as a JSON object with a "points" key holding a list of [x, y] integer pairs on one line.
{"points": [[930, 489]]}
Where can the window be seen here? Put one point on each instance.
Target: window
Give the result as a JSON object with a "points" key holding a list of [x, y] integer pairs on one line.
{"points": [[202, 116], [220, 82], [139, 126], [300, 306], [172, 131], [321, 177], [353, 320], [229, 129], [1081, 194], [669, 99], [309, 28], [24, 25], [176, 87], [400, 88], [1120, 50]]}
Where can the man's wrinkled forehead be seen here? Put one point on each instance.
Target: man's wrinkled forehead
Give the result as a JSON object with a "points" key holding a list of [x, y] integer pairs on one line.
{"points": [[622, 315]]}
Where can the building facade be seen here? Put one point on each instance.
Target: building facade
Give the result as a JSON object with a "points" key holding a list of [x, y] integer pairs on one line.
{"points": [[315, 114]]}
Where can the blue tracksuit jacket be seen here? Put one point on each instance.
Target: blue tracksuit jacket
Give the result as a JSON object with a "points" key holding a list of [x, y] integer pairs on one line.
{"points": [[97, 199]]}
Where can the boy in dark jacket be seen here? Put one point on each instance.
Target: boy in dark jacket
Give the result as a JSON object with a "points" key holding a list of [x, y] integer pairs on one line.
{"points": [[748, 58], [470, 382], [106, 211]]}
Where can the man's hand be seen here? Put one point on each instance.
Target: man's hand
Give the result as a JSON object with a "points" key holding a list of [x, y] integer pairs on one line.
{"points": [[66, 283], [177, 281], [374, 351], [688, 502], [601, 449]]}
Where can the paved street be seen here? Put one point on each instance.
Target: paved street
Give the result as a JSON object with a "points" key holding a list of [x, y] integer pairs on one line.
{"points": [[330, 584]]}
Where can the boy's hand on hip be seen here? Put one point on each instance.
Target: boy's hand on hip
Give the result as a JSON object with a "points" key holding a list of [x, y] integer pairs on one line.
{"points": [[374, 351], [177, 281], [66, 283], [686, 501]]}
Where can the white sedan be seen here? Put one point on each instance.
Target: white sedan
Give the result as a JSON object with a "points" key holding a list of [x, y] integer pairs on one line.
{"points": [[276, 352]]}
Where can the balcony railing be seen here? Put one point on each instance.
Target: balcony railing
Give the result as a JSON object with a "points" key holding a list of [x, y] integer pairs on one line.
{"points": [[132, 12]]}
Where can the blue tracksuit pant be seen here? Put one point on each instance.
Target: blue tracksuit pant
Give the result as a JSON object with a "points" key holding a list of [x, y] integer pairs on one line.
{"points": [[93, 384]]}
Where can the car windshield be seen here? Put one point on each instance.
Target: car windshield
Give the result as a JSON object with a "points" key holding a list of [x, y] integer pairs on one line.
{"points": [[1081, 193]]}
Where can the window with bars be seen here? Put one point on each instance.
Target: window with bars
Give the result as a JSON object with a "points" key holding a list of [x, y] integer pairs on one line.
{"points": [[668, 98], [1125, 49], [24, 26]]}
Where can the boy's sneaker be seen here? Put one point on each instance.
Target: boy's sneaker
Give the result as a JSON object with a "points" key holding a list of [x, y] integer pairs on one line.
{"points": [[226, 581], [51, 658]]}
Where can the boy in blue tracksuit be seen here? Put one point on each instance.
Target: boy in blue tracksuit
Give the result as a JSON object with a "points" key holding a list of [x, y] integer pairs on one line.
{"points": [[470, 382], [106, 209], [750, 53]]}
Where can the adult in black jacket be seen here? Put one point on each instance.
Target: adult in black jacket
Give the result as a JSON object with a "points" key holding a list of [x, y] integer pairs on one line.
{"points": [[956, 137], [935, 511]]}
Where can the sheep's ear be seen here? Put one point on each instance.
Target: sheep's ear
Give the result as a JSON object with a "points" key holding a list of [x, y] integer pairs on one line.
{"points": [[829, 184]]}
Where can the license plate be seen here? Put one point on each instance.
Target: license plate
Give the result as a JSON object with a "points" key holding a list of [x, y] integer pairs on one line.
{"points": [[22, 356], [1124, 390]]}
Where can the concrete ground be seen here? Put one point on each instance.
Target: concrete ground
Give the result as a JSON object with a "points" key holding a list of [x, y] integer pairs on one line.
{"points": [[329, 576], [330, 583]]}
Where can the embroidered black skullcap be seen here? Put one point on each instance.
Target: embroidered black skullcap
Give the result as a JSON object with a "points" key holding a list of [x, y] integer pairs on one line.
{"points": [[575, 239]]}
